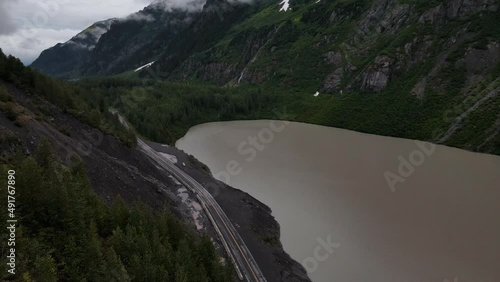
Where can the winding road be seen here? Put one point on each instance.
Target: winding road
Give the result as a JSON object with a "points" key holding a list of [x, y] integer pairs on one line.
{"points": [[243, 261]]}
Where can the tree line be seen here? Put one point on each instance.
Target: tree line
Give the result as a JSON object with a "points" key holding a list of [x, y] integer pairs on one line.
{"points": [[67, 232], [164, 111]]}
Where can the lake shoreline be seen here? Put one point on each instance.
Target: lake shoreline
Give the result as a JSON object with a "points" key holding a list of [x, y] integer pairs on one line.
{"points": [[253, 220]]}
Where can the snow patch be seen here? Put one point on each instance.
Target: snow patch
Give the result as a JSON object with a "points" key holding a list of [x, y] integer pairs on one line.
{"points": [[285, 5], [145, 66]]}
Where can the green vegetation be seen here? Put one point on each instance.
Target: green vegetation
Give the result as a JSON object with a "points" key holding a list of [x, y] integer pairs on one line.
{"points": [[293, 64], [67, 233], [287, 53], [67, 97], [4, 94], [164, 111]]}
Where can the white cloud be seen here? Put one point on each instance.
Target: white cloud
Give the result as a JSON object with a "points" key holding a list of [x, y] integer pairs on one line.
{"points": [[28, 48], [27, 27], [190, 5], [6, 24], [139, 17]]}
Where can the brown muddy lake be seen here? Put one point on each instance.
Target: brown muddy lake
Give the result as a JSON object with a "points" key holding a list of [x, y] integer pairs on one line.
{"points": [[357, 207]]}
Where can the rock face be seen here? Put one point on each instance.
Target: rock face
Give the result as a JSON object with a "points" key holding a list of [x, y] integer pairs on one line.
{"points": [[480, 61], [462, 8], [384, 16], [333, 58], [333, 80], [378, 74], [451, 9], [216, 72]]}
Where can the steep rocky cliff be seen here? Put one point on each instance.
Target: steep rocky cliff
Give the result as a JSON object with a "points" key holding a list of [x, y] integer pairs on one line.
{"points": [[350, 44], [357, 44]]}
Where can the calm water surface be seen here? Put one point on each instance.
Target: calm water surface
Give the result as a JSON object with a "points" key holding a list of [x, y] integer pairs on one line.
{"points": [[339, 215]]}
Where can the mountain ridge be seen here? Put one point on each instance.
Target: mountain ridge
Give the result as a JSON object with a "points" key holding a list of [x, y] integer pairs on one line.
{"points": [[388, 67]]}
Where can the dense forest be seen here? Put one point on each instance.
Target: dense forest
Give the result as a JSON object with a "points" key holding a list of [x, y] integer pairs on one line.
{"points": [[164, 111], [67, 233]]}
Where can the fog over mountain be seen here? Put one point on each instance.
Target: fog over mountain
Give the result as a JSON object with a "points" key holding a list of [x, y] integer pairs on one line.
{"points": [[27, 27]]}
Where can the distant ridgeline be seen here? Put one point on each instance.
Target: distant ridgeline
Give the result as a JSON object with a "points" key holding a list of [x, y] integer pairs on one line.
{"points": [[415, 69]]}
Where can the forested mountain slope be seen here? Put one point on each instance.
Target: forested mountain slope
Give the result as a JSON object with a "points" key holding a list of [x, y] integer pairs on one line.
{"points": [[72, 227], [416, 69]]}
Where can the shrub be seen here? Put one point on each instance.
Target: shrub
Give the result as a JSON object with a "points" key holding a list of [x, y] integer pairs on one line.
{"points": [[4, 94]]}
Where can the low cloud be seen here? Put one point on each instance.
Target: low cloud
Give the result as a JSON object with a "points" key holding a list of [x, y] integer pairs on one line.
{"points": [[29, 48], [7, 25], [27, 27], [189, 5], [140, 16]]}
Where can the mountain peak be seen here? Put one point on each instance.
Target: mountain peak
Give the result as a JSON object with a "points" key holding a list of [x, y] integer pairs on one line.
{"points": [[89, 37]]}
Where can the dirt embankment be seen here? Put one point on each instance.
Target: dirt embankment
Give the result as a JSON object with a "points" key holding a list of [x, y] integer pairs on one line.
{"points": [[114, 169]]}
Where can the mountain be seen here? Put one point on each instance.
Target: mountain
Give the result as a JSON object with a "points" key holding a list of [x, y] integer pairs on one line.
{"points": [[67, 57], [349, 44], [114, 45], [416, 69]]}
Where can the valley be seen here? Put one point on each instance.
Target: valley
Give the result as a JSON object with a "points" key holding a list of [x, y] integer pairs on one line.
{"points": [[252, 140]]}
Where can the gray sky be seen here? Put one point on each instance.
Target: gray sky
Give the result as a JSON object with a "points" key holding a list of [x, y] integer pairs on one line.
{"points": [[28, 27]]}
